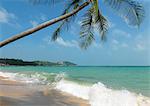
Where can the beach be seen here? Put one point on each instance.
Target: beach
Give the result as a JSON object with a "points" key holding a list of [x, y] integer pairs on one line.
{"points": [[13, 93], [74, 86]]}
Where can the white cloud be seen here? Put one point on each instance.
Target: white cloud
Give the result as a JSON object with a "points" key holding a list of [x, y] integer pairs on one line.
{"points": [[72, 43], [140, 47], [115, 44], [33, 23], [68, 43], [97, 45], [141, 43], [114, 41], [61, 42], [118, 45], [38, 19], [118, 32], [5, 16]]}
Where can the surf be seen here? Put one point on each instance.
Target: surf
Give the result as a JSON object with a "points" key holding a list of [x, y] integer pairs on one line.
{"points": [[97, 94]]}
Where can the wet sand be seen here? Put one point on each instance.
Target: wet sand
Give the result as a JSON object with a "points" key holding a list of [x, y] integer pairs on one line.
{"points": [[13, 93]]}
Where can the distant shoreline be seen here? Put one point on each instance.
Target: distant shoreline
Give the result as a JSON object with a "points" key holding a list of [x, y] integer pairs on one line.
{"points": [[20, 62], [70, 65]]}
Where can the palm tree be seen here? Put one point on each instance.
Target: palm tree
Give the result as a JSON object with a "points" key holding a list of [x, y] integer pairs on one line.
{"points": [[131, 11]]}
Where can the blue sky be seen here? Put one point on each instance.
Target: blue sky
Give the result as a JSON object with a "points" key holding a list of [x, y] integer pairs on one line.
{"points": [[125, 45]]}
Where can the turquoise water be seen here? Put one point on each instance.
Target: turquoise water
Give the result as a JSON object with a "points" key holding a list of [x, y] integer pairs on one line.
{"points": [[134, 79]]}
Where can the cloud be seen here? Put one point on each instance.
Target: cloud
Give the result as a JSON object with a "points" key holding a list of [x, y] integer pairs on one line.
{"points": [[115, 44], [114, 41], [96, 45], [140, 47], [66, 43], [33, 23], [38, 19], [5, 16], [141, 43], [118, 32], [61, 42], [118, 45], [73, 43]]}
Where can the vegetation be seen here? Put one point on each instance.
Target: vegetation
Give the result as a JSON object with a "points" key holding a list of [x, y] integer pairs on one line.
{"points": [[19, 62], [131, 11]]}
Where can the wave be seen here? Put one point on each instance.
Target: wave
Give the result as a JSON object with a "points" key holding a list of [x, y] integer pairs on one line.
{"points": [[33, 77], [97, 94]]}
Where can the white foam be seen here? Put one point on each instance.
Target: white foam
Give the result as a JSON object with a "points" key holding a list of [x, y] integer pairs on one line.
{"points": [[33, 78], [8, 76], [18, 77], [99, 95], [73, 88]]}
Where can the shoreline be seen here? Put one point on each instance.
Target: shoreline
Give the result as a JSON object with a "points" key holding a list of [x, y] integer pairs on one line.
{"points": [[13, 93], [36, 90]]}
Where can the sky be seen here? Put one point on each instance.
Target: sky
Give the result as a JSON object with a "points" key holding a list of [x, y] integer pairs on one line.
{"points": [[125, 45]]}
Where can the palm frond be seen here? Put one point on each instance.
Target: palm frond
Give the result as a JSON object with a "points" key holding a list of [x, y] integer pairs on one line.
{"points": [[131, 11], [102, 25], [86, 33], [92, 18], [63, 26], [100, 20], [66, 23], [73, 4], [86, 41], [57, 32]]}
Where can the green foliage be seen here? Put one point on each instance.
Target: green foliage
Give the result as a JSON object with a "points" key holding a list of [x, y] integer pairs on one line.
{"points": [[102, 25], [86, 32], [131, 11], [65, 24], [19, 62], [92, 19]]}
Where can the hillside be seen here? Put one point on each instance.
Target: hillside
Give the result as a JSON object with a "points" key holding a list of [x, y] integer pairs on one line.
{"points": [[19, 62]]}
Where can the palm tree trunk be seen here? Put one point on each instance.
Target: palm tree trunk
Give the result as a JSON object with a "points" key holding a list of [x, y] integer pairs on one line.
{"points": [[41, 26]]}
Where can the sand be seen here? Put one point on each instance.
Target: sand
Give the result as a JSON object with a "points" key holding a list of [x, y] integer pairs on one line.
{"points": [[13, 93]]}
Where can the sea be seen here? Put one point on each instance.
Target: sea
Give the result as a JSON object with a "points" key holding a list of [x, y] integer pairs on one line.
{"points": [[100, 85]]}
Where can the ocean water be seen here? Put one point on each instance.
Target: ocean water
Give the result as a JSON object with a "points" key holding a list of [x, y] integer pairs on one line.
{"points": [[102, 86]]}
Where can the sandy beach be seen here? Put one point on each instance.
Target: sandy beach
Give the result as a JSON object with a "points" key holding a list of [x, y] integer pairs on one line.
{"points": [[13, 93], [48, 86]]}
